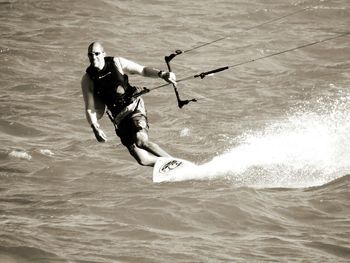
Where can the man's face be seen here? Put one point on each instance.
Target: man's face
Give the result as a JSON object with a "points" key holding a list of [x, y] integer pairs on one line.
{"points": [[96, 56]]}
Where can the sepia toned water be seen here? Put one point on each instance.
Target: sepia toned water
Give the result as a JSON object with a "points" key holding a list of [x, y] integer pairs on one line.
{"points": [[271, 137]]}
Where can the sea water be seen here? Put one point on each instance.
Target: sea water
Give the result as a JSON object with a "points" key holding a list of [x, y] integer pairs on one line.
{"points": [[270, 137]]}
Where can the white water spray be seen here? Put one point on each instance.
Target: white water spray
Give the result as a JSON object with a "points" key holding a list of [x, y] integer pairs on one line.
{"points": [[311, 147]]}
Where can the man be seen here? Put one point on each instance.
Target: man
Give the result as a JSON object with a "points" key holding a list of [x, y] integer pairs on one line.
{"points": [[105, 85]]}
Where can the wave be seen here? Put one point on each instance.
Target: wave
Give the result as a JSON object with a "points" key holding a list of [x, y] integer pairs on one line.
{"points": [[24, 254], [20, 154]]}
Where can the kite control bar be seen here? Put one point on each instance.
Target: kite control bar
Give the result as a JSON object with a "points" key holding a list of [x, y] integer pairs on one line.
{"points": [[167, 59]]}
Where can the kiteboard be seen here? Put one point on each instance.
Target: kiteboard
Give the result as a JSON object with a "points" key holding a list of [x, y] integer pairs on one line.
{"points": [[171, 169]]}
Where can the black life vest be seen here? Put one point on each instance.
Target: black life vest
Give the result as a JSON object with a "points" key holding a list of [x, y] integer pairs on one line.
{"points": [[111, 86]]}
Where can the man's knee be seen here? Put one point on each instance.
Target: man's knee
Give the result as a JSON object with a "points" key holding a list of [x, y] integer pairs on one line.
{"points": [[141, 140]]}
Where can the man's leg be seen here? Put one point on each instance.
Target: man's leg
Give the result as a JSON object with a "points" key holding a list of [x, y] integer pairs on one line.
{"points": [[142, 156], [151, 147]]}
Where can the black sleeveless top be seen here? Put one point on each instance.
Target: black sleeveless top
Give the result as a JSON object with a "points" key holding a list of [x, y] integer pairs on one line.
{"points": [[111, 86]]}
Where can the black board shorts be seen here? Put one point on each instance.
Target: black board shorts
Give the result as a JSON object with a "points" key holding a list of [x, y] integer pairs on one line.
{"points": [[129, 126]]}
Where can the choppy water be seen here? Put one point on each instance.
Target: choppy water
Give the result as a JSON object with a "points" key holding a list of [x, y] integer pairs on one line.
{"points": [[271, 137]]}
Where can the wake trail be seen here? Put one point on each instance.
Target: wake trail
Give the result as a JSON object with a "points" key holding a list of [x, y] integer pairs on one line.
{"points": [[308, 148]]}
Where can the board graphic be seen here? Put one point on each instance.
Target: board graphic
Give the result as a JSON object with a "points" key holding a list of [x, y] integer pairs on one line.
{"points": [[171, 169]]}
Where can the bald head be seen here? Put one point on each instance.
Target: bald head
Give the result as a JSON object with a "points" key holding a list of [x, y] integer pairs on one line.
{"points": [[96, 55], [95, 46]]}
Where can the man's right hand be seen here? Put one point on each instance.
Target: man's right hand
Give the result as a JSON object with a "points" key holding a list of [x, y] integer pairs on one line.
{"points": [[168, 76], [99, 134]]}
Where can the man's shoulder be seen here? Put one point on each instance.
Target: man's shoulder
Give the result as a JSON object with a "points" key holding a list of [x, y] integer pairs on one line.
{"points": [[86, 77], [123, 61], [118, 61], [128, 65]]}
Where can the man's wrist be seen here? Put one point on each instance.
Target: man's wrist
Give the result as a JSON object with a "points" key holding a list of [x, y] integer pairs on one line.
{"points": [[95, 126], [160, 73]]}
